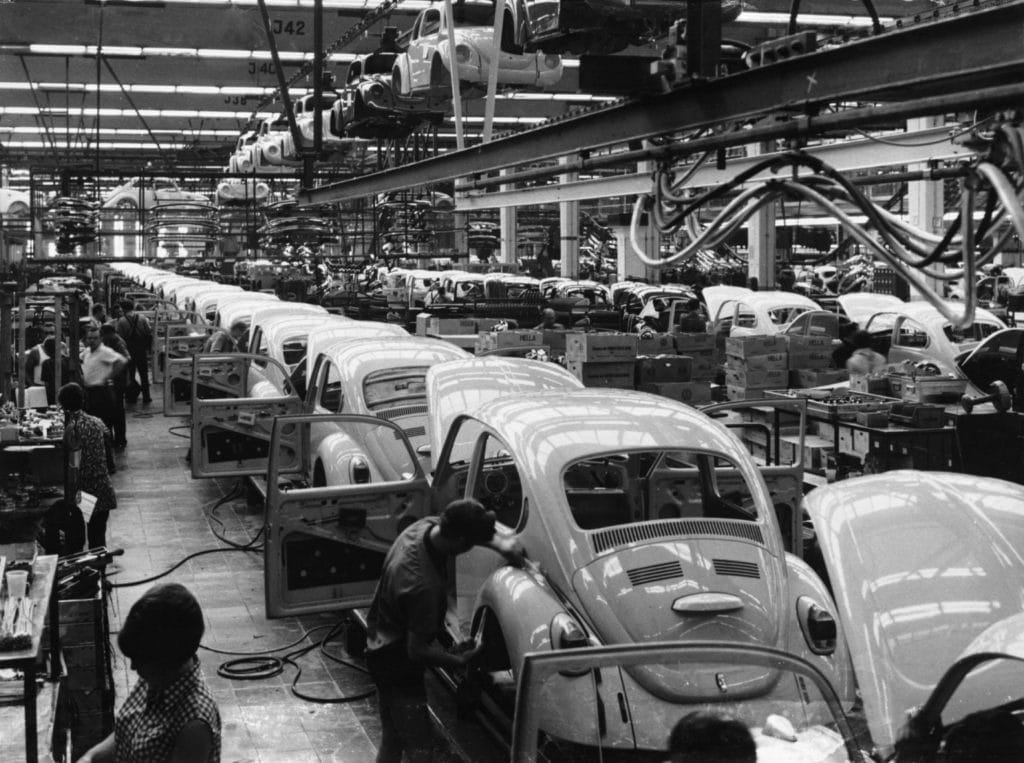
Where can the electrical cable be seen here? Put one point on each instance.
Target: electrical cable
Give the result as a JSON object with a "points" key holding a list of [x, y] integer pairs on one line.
{"points": [[252, 666], [167, 572]]}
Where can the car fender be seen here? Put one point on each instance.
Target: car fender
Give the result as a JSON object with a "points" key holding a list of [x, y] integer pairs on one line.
{"points": [[401, 71], [805, 582], [335, 454], [523, 607]]}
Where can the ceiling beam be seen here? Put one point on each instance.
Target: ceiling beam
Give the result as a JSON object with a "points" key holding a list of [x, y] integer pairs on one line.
{"points": [[958, 54]]}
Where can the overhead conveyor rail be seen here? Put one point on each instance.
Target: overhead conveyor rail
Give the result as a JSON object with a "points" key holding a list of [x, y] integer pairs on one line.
{"points": [[961, 57]]}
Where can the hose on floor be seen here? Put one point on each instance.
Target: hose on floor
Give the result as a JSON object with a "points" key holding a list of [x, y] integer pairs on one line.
{"points": [[254, 666]]}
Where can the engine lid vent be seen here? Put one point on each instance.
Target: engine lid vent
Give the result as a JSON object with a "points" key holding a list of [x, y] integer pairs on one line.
{"points": [[655, 572], [736, 569], [623, 535]]}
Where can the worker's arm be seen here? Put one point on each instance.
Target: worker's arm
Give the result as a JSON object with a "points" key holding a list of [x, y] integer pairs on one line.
{"points": [[194, 742], [431, 653]]}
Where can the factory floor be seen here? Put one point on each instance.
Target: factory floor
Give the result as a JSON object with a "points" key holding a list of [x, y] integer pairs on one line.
{"points": [[163, 516]]}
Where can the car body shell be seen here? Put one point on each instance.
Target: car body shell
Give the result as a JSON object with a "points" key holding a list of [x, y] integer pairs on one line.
{"points": [[369, 107], [140, 193], [243, 160], [206, 302], [242, 191], [337, 384], [268, 150], [582, 573], [14, 203], [736, 311], [917, 332], [424, 66], [284, 338], [859, 306], [921, 563]]}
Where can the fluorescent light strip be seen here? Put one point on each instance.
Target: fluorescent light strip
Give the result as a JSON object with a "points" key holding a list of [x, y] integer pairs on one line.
{"points": [[45, 49], [410, 6], [116, 146], [155, 113], [810, 19], [115, 131]]}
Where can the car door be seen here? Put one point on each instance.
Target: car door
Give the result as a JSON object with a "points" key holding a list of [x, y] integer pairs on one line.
{"points": [[325, 546], [815, 714], [230, 433], [773, 430], [177, 338], [910, 342], [997, 358], [422, 47]]}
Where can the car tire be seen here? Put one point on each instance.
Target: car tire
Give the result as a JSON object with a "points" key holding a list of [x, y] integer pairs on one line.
{"points": [[396, 82], [17, 209]]}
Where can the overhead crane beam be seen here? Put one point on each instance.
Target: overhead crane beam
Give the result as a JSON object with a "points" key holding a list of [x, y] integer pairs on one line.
{"points": [[931, 145], [956, 55]]}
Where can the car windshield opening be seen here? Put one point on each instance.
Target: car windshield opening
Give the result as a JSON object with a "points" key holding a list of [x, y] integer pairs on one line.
{"points": [[643, 486], [395, 387]]}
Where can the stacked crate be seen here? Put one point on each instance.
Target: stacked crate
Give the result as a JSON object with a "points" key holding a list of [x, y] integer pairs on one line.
{"points": [[671, 376], [701, 348], [88, 681], [809, 361], [487, 341], [754, 365], [602, 360]]}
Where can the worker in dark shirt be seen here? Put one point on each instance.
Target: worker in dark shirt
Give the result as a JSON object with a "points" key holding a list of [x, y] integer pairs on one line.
{"points": [[691, 321], [406, 618]]}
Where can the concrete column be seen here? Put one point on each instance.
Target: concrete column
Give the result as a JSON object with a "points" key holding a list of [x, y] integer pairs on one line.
{"points": [[762, 246], [925, 201], [569, 228], [460, 240], [507, 225]]}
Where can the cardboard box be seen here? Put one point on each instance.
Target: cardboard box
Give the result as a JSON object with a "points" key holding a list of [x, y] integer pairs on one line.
{"points": [[496, 340], [692, 393], [763, 379], [656, 344], [422, 319], [618, 375], [775, 361], [927, 389], [747, 346], [688, 344], [809, 359], [802, 343], [804, 378], [554, 341], [875, 385], [816, 454], [597, 348], [734, 392], [703, 369], [663, 368], [445, 326]]}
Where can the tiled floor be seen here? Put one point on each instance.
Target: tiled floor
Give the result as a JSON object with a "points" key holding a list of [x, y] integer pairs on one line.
{"points": [[162, 518]]}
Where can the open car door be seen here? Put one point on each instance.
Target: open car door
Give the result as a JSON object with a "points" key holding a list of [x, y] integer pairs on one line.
{"points": [[230, 430], [325, 546], [573, 683], [177, 337], [773, 430]]}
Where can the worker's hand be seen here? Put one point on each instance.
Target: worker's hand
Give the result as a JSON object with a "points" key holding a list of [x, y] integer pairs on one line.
{"points": [[470, 649], [510, 548]]}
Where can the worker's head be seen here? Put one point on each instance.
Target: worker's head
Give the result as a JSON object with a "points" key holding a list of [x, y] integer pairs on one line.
{"points": [[466, 523], [693, 305], [238, 329], [93, 338], [50, 346], [107, 333], [548, 317], [711, 738], [127, 306], [71, 397], [162, 632]]}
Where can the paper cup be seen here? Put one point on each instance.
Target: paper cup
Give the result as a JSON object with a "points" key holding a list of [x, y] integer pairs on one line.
{"points": [[17, 583]]}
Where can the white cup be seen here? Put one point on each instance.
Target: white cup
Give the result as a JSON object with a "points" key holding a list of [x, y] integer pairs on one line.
{"points": [[17, 583]]}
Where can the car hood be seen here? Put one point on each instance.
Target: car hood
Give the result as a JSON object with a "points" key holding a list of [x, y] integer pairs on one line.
{"points": [[704, 589], [920, 564], [715, 296]]}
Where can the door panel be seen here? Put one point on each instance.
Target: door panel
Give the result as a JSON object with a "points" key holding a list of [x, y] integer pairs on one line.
{"points": [[326, 545], [231, 438], [783, 476], [174, 358]]}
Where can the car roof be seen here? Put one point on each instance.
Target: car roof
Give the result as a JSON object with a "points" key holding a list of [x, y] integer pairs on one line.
{"points": [[567, 426], [393, 352], [770, 299], [928, 314]]}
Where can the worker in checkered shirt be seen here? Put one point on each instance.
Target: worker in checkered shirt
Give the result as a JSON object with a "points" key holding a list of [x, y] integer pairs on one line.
{"points": [[170, 714]]}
